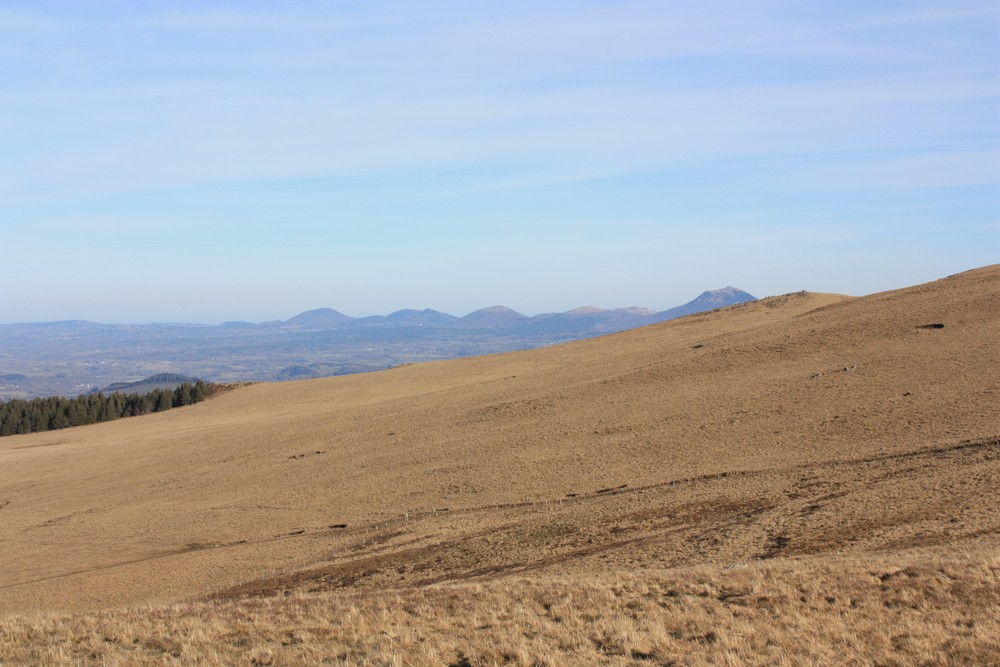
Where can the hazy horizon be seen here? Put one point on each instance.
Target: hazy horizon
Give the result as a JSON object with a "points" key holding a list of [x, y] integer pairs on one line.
{"points": [[212, 161], [356, 316]]}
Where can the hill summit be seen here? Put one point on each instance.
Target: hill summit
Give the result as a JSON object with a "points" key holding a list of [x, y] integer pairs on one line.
{"points": [[320, 318], [710, 300], [492, 316]]}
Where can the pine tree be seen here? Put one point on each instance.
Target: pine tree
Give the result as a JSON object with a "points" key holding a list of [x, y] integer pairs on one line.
{"points": [[182, 395], [199, 392], [163, 399]]}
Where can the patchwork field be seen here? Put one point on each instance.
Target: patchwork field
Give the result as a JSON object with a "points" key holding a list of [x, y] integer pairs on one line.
{"points": [[808, 478]]}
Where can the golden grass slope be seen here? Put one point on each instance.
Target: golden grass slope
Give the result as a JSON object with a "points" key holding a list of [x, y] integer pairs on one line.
{"points": [[805, 425], [926, 608]]}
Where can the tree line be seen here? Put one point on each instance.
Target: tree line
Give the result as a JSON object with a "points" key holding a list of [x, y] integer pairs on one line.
{"points": [[46, 414]]}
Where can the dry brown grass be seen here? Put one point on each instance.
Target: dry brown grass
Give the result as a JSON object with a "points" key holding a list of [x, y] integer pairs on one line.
{"points": [[930, 607], [435, 509]]}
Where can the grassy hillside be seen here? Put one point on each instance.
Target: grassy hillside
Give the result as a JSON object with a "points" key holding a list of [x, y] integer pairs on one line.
{"points": [[744, 451]]}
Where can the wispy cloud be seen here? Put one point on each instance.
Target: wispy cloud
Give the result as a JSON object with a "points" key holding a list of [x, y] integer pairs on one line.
{"points": [[466, 120]]}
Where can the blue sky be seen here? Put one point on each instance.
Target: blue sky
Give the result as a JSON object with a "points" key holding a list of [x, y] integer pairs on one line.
{"points": [[210, 161]]}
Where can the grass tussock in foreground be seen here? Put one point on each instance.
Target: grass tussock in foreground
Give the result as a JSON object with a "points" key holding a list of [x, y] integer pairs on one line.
{"points": [[932, 607]]}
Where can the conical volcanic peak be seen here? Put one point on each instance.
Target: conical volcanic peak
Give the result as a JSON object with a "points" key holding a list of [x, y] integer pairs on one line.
{"points": [[493, 316], [710, 300], [320, 318]]}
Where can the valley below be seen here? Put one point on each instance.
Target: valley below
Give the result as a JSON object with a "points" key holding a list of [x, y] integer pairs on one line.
{"points": [[76, 357]]}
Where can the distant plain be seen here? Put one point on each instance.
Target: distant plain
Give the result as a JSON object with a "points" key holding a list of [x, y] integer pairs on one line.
{"points": [[70, 358]]}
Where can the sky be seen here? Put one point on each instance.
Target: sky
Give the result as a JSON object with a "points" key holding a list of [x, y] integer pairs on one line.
{"points": [[210, 161]]}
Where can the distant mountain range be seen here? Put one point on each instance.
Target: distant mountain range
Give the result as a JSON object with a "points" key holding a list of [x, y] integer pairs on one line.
{"points": [[75, 357], [586, 318]]}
